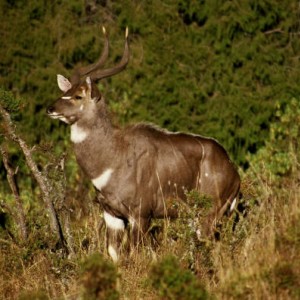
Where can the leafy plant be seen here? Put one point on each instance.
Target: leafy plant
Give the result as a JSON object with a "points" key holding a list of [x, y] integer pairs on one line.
{"points": [[171, 281], [280, 155], [99, 278], [9, 102]]}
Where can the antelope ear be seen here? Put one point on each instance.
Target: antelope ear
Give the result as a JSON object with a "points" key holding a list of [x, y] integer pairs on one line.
{"points": [[63, 83]]}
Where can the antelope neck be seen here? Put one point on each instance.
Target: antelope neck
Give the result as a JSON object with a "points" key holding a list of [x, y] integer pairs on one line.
{"points": [[82, 129]]}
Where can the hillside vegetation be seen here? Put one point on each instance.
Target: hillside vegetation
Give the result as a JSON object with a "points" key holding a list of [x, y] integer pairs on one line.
{"points": [[217, 68], [226, 69]]}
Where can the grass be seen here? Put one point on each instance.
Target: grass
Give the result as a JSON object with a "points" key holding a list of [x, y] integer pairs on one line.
{"points": [[259, 260]]}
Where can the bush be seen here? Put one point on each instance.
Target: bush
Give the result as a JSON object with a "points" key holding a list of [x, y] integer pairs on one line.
{"points": [[173, 282], [280, 154], [99, 278]]}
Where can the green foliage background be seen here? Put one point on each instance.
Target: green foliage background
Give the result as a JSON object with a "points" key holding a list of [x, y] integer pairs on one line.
{"points": [[226, 69], [216, 68]]}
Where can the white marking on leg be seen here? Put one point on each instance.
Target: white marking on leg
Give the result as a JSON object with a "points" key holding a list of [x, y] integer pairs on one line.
{"points": [[232, 206], [113, 253], [78, 134], [131, 222], [113, 222], [102, 180]]}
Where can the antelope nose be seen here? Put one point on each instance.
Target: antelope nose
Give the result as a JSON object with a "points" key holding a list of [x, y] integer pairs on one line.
{"points": [[50, 110]]}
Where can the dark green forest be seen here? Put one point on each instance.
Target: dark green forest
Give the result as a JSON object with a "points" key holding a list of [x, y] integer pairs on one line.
{"points": [[215, 68], [225, 69]]}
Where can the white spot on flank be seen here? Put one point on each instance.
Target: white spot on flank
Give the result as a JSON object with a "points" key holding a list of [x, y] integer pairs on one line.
{"points": [[78, 134], [102, 180], [113, 222], [206, 174], [232, 206], [113, 253]]}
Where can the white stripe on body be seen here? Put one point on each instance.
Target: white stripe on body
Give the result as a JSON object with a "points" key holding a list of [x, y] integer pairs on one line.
{"points": [[101, 181]]}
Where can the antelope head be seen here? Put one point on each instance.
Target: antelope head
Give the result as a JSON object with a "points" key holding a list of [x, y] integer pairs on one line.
{"points": [[80, 93]]}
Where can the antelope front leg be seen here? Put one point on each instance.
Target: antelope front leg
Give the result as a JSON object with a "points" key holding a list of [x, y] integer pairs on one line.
{"points": [[115, 228], [138, 230]]}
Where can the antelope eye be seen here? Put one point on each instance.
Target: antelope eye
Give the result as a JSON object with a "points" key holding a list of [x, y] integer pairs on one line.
{"points": [[77, 97]]}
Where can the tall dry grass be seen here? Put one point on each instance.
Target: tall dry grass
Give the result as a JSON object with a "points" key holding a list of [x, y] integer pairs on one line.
{"points": [[260, 259]]}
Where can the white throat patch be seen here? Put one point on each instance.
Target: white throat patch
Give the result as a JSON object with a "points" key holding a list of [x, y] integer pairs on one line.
{"points": [[102, 180], [78, 134]]}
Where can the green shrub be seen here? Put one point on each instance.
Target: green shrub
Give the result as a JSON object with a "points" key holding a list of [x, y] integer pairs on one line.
{"points": [[8, 101], [280, 154], [286, 279], [171, 281], [99, 278]]}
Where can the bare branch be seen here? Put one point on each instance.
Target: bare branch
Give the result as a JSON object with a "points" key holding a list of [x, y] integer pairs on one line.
{"points": [[20, 217], [276, 30], [45, 186]]}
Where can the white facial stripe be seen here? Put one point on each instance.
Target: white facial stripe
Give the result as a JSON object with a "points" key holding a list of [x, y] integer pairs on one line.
{"points": [[64, 119], [66, 97], [232, 206], [60, 117], [113, 253], [113, 222], [78, 134], [54, 116], [102, 180]]}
